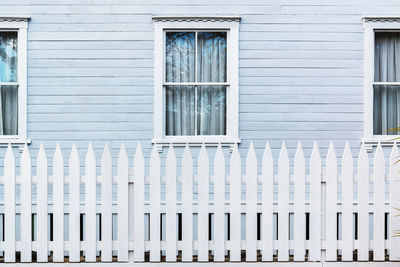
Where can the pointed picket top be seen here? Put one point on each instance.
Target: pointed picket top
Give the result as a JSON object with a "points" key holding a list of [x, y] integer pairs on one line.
{"points": [[25, 155], [363, 152], [283, 155], [379, 156], [9, 153], [203, 155], [299, 152], [235, 155], [170, 153], [219, 155], [187, 156], [41, 152], [155, 156], [139, 154], [331, 152], [347, 151], [57, 154], [267, 155], [106, 154], [122, 155], [90, 152], [394, 154], [74, 156], [315, 152], [251, 153]]}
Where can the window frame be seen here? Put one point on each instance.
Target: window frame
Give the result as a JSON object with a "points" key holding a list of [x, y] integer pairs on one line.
{"points": [[231, 26], [372, 25], [19, 25]]}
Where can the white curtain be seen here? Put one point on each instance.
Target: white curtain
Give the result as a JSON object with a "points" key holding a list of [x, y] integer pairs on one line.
{"points": [[182, 109], [9, 93], [387, 69]]}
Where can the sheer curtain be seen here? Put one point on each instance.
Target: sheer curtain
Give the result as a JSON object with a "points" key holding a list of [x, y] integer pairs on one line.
{"points": [[387, 69], [9, 93]]}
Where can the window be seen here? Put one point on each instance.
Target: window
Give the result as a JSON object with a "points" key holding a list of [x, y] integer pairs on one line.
{"points": [[13, 38], [196, 81]]}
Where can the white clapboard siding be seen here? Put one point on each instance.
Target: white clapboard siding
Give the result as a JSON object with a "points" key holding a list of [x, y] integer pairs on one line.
{"points": [[379, 205], [90, 206], [267, 181], [203, 188], [251, 204], [235, 205], [41, 206], [394, 205], [347, 204], [106, 205], [26, 206], [74, 206], [187, 205], [9, 206], [283, 204], [299, 204], [155, 180], [138, 208], [219, 201], [122, 207], [331, 205], [170, 197], [58, 205]]}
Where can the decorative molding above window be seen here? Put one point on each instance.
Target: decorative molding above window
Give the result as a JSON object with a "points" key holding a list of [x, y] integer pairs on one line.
{"points": [[14, 19], [381, 19], [196, 19]]}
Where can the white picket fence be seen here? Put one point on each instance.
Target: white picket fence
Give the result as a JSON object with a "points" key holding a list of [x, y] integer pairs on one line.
{"points": [[306, 227]]}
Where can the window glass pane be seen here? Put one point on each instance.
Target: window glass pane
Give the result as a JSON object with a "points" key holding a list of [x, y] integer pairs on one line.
{"points": [[180, 56], [180, 110], [211, 110], [9, 110], [8, 57], [211, 57], [386, 109], [387, 56]]}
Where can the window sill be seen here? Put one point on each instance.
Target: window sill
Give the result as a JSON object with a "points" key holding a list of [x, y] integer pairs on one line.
{"points": [[14, 141], [384, 140], [194, 141]]}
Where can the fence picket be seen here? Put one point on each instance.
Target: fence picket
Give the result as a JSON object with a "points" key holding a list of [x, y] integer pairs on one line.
{"points": [[235, 176], [26, 206], [170, 197], [122, 208], [219, 201], [74, 205], [267, 202], [394, 205], [363, 203], [58, 205], [251, 204], [187, 207], [203, 188], [315, 204], [155, 175], [299, 204], [379, 205], [138, 202], [283, 204], [106, 205], [41, 205], [331, 204], [9, 206], [90, 206], [347, 204]]}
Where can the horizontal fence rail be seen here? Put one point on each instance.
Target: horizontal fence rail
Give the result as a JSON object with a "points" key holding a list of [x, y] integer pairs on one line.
{"points": [[311, 209]]}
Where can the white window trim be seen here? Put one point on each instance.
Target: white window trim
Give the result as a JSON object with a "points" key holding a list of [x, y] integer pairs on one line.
{"points": [[21, 26], [231, 24], [371, 25]]}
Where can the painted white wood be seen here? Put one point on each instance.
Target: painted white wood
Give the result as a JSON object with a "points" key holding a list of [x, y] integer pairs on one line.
{"points": [[267, 201], [187, 206], [106, 205], [331, 204], [122, 208], [26, 206], [41, 205], [347, 204], [299, 204], [155, 179], [9, 206], [283, 204], [58, 205], [363, 203], [90, 206], [315, 204], [138, 209], [251, 204], [74, 205], [170, 197], [235, 176], [203, 188], [394, 223], [219, 201], [379, 205]]}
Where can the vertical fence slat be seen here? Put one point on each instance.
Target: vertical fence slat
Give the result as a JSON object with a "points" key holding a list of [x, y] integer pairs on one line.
{"points": [[331, 204], [187, 207], [155, 179], [9, 206], [283, 204], [138, 202], [90, 205], [170, 197], [106, 205], [58, 206], [41, 206], [26, 206], [347, 204], [315, 204], [394, 205], [363, 203], [299, 204], [219, 200], [251, 204], [74, 205], [379, 205], [267, 201], [235, 176], [122, 196], [203, 187]]}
